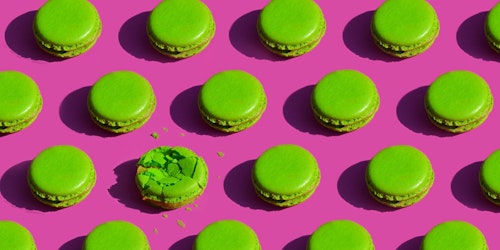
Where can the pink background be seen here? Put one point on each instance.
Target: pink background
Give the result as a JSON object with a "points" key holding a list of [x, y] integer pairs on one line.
{"points": [[342, 158]]}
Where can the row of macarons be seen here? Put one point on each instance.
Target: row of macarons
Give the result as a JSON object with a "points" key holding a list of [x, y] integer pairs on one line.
{"points": [[234, 234], [183, 28], [234, 100]]}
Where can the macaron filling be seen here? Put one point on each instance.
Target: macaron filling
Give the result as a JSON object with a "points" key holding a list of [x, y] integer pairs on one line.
{"points": [[171, 177]]}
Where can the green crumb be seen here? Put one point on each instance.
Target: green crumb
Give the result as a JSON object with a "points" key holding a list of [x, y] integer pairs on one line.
{"points": [[165, 215], [165, 130], [154, 135], [181, 223], [155, 230], [182, 134], [220, 154], [188, 209]]}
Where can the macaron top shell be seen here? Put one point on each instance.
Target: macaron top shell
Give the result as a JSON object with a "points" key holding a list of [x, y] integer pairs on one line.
{"points": [[232, 95], [61, 171], [453, 235], [227, 235], [67, 22], [404, 22], [489, 174], [459, 96], [340, 235], [15, 236], [181, 23], [121, 96], [492, 23], [399, 171], [345, 95], [286, 170], [291, 22], [116, 235], [19, 97]]}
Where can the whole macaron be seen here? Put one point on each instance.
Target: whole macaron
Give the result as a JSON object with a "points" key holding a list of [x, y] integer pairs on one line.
{"points": [[458, 101], [67, 28], [454, 234], [15, 236], [232, 101], [340, 235], [291, 28], [405, 28], [20, 101], [285, 175], [489, 177], [61, 176], [116, 235], [180, 28], [399, 176], [345, 100], [171, 177], [492, 27], [227, 235], [121, 101]]}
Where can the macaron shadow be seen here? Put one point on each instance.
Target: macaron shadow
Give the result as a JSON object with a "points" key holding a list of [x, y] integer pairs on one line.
{"points": [[125, 189], [73, 244], [299, 243], [358, 39], [472, 40], [75, 115], [185, 243], [185, 113], [239, 188], [20, 39], [411, 244], [245, 38], [351, 186], [15, 189], [134, 39], [411, 113], [298, 113], [467, 190]]}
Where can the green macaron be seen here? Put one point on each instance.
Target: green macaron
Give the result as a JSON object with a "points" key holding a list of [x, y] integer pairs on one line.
{"points": [[116, 235], [20, 101], [291, 28], [454, 234], [340, 235], [405, 28], [121, 101], [227, 235], [67, 28], [399, 176], [285, 175], [489, 177], [171, 177], [61, 176], [232, 101], [492, 27], [180, 28], [345, 100], [458, 101], [15, 236]]}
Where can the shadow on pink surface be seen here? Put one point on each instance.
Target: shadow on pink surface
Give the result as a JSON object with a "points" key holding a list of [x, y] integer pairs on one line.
{"points": [[73, 244], [352, 188], [297, 244], [15, 189], [245, 38], [239, 188], [125, 189], [472, 40], [185, 113], [133, 38], [74, 114], [467, 190], [411, 244], [20, 39], [185, 243], [411, 113], [298, 113], [357, 38]]}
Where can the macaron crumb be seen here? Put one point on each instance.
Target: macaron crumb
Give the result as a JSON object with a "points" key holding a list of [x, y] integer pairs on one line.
{"points": [[164, 216], [220, 154], [218, 176], [154, 135], [181, 223], [195, 205], [182, 134], [165, 130], [155, 230], [188, 209]]}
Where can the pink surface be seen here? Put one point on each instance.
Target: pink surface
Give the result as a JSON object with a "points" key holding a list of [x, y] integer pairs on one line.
{"points": [[341, 194]]}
